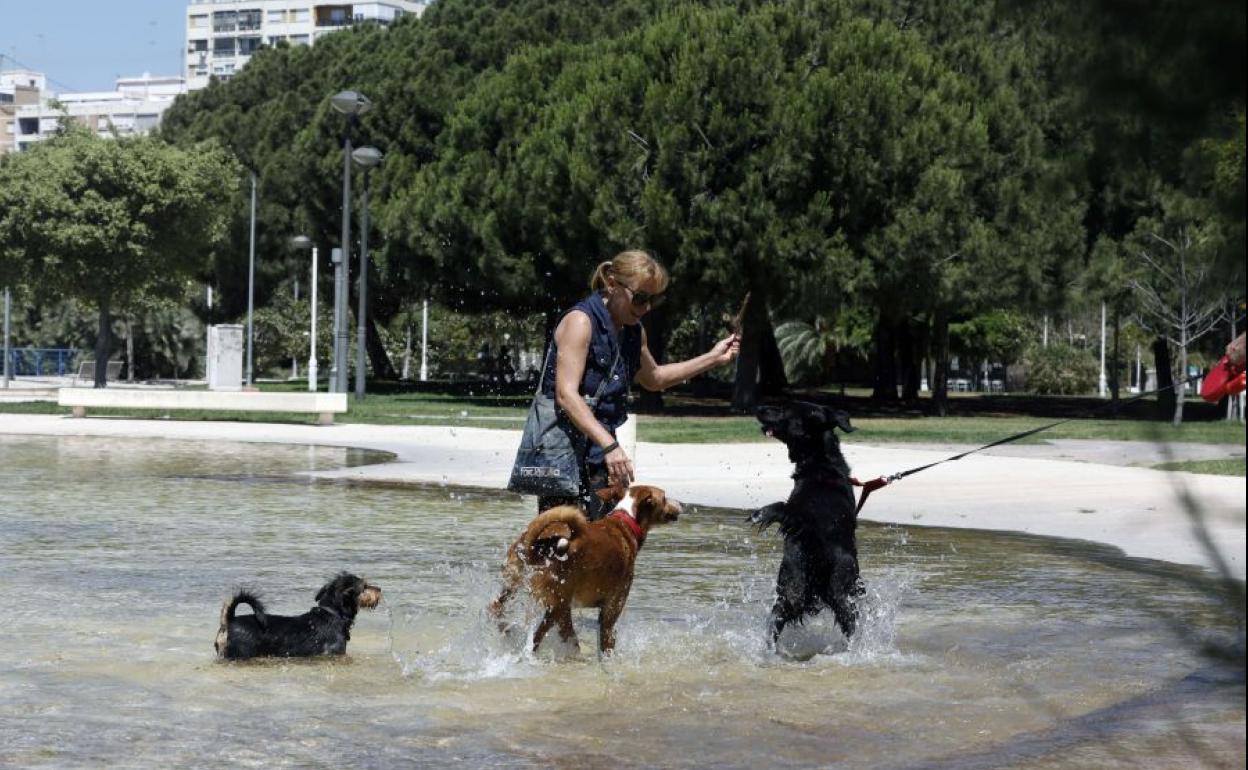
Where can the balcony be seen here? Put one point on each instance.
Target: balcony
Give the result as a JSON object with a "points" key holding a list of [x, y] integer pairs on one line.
{"points": [[334, 16]]}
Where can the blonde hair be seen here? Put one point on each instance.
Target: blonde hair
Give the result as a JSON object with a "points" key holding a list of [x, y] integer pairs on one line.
{"points": [[631, 264]]}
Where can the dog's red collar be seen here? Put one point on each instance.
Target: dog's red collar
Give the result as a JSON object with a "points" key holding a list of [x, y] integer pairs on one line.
{"points": [[624, 516]]}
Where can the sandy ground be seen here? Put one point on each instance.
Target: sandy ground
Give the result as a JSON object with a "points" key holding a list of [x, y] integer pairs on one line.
{"points": [[1136, 509]]}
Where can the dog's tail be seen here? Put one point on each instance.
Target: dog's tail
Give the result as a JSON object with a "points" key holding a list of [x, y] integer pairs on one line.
{"points": [[227, 614], [551, 536]]}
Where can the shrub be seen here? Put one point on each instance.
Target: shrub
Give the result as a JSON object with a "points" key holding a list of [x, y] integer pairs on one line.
{"points": [[1061, 370]]}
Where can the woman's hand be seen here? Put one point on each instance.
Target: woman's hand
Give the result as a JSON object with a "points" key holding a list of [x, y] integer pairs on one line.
{"points": [[1235, 351], [619, 468], [726, 349]]}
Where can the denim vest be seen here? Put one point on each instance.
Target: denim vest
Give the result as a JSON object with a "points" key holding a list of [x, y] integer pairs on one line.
{"points": [[612, 407]]}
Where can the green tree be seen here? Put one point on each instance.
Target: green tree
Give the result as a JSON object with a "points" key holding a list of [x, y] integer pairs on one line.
{"points": [[809, 350], [999, 336], [1181, 294], [109, 221]]}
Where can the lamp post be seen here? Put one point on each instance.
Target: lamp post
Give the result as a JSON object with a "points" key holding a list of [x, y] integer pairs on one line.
{"points": [[338, 363], [251, 278], [352, 104], [304, 242], [366, 158], [5, 367]]}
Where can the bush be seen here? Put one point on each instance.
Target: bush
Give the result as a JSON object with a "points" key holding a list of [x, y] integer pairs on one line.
{"points": [[1061, 370]]}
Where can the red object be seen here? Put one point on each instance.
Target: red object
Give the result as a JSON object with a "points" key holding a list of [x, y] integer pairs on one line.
{"points": [[1224, 379], [867, 488], [624, 516]]}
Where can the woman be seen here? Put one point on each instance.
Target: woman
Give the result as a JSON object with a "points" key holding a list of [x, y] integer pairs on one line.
{"points": [[586, 342]]}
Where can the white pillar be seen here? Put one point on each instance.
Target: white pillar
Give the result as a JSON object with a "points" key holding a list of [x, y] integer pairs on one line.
{"points": [[424, 341], [626, 435], [312, 339], [294, 359], [1104, 385], [208, 334]]}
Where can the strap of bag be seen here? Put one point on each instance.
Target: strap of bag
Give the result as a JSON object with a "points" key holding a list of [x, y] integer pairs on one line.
{"points": [[598, 393], [542, 379], [611, 371]]}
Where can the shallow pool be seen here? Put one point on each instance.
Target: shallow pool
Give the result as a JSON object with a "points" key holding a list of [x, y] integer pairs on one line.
{"points": [[979, 649]]}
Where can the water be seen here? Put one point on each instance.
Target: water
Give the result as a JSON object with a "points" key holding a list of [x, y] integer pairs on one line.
{"points": [[978, 650]]}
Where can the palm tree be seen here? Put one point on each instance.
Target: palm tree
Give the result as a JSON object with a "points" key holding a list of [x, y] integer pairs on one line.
{"points": [[809, 349]]}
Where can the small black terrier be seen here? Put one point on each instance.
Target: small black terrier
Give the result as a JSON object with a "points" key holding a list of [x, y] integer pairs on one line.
{"points": [[323, 630], [820, 564]]}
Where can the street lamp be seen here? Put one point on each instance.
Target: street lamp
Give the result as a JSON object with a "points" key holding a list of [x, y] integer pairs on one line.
{"points": [[304, 242], [366, 158], [251, 279], [352, 104], [339, 360], [5, 367]]}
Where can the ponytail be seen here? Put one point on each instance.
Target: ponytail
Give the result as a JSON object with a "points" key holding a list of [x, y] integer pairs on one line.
{"points": [[632, 265], [599, 280]]}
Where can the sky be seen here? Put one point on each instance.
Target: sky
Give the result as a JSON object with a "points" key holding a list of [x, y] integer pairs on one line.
{"points": [[85, 45]]}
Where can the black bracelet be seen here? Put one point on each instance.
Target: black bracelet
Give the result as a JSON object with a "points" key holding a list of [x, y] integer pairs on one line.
{"points": [[609, 448]]}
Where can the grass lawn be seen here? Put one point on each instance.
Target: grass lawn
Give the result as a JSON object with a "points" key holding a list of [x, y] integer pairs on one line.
{"points": [[1230, 466], [486, 410], [945, 430]]}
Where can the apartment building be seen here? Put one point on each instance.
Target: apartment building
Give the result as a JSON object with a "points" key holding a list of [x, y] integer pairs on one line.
{"points": [[29, 114], [18, 88], [221, 35]]}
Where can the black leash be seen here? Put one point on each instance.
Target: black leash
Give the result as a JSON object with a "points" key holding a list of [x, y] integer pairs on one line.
{"points": [[877, 483]]}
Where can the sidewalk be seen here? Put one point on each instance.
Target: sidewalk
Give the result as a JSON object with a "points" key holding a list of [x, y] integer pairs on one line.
{"points": [[1135, 509]]}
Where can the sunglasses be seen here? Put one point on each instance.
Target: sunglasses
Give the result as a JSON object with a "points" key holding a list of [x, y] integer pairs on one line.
{"points": [[642, 299]]}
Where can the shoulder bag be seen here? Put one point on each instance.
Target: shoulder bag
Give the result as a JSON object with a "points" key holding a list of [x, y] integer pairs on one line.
{"points": [[552, 449]]}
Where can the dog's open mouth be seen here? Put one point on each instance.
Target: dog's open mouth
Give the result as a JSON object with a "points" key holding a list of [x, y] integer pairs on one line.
{"points": [[370, 597]]}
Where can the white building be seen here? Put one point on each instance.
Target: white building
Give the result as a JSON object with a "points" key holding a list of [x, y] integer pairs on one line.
{"points": [[221, 35], [18, 88], [134, 108]]}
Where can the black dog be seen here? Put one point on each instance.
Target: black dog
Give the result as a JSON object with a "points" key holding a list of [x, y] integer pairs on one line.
{"points": [[820, 564], [324, 630]]}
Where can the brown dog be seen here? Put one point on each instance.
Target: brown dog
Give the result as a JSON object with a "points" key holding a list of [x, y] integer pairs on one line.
{"points": [[568, 561]]}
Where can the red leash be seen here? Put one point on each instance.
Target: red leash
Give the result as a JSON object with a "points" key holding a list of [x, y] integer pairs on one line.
{"points": [[869, 487]]}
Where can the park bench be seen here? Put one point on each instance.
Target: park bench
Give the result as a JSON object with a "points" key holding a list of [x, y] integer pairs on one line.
{"points": [[86, 371], [326, 405]]}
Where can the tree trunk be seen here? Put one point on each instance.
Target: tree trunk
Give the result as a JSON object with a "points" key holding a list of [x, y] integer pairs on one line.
{"points": [[407, 354], [702, 386], [129, 349], [940, 369], [103, 346], [377, 355], [1165, 379], [759, 368], [1231, 401], [656, 341], [885, 386], [908, 353], [1114, 364], [1180, 390], [771, 378]]}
